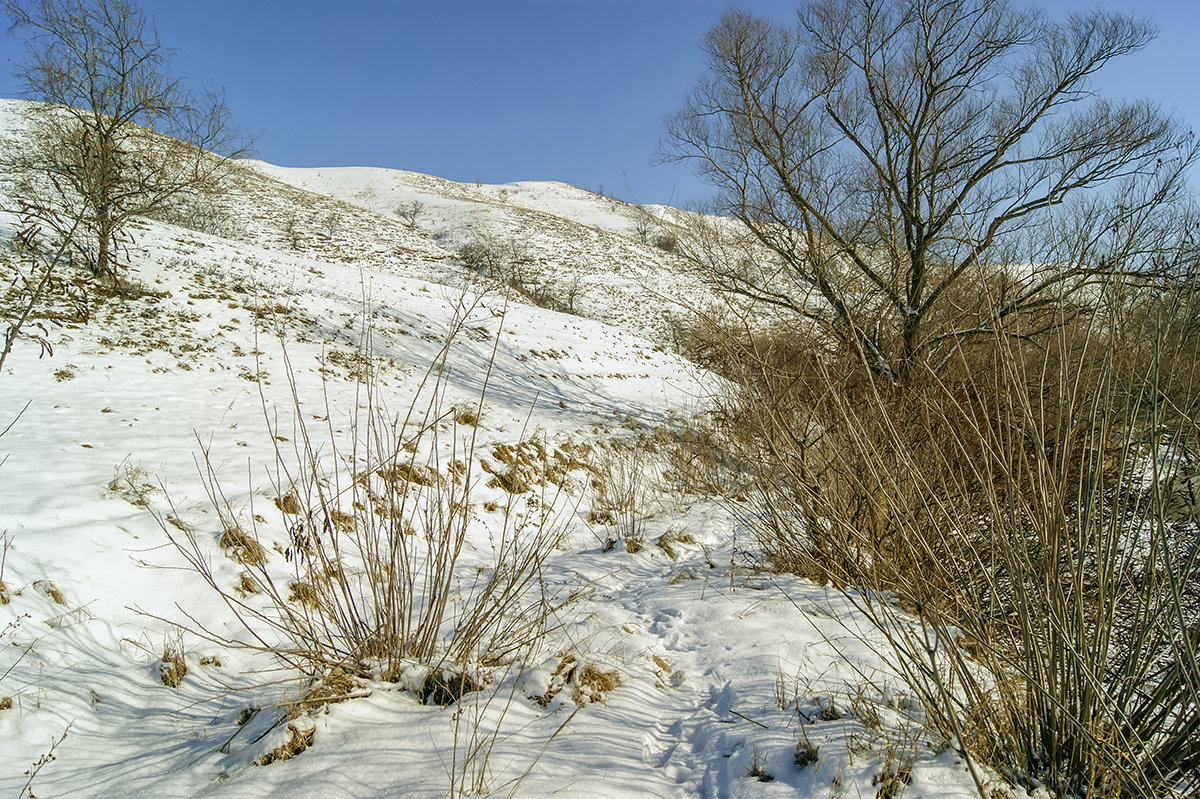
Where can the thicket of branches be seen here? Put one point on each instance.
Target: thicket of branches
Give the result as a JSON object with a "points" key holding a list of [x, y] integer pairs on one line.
{"points": [[979, 404]]}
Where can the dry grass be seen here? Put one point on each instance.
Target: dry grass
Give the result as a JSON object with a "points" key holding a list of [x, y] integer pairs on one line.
{"points": [[172, 668], [445, 687], [243, 548], [50, 590], [298, 740], [466, 415], [587, 682], [591, 684], [132, 483], [289, 504], [667, 541]]}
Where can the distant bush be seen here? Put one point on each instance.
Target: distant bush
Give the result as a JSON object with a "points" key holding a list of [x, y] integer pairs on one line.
{"points": [[665, 241]]}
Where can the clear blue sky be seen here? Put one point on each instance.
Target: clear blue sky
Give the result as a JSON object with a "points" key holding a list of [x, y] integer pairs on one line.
{"points": [[503, 90]]}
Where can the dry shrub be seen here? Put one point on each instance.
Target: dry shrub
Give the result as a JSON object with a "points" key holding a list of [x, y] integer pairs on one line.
{"points": [[621, 483], [373, 540], [6, 703], [1002, 500]]}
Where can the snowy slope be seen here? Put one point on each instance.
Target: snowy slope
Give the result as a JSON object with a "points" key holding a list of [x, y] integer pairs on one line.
{"points": [[563, 236], [240, 342]]}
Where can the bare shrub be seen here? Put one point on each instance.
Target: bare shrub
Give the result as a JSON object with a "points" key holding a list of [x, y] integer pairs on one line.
{"points": [[620, 480], [376, 521], [665, 241], [1013, 502]]}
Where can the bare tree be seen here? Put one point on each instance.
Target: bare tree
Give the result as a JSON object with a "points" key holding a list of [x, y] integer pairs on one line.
{"points": [[644, 223], [880, 151], [410, 211], [120, 136]]}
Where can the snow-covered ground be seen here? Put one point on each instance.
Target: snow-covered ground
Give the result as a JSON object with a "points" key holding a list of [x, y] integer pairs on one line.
{"points": [[716, 680]]}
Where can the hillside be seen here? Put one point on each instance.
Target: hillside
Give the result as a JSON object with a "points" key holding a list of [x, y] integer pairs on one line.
{"points": [[301, 368]]}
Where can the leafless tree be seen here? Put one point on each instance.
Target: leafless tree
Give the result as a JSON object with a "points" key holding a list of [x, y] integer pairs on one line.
{"points": [[879, 152], [410, 211], [120, 136], [644, 223]]}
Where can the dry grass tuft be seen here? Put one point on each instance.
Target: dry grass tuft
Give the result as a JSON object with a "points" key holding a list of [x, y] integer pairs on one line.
{"points": [[893, 778], [297, 742], [807, 753], [466, 415], [591, 684], [334, 687], [588, 683], [757, 771], [51, 591], [243, 548], [403, 472], [172, 668], [132, 483], [621, 485], [6, 703], [304, 593], [666, 542], [288, 504], [247, 585]]}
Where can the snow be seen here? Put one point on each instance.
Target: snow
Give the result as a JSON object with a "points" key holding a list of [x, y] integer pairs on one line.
{"points": [[719, 669]]}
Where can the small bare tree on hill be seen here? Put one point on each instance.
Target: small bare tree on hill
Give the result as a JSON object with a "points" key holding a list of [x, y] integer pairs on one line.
{"points": [[880, 151], [94, 154]]}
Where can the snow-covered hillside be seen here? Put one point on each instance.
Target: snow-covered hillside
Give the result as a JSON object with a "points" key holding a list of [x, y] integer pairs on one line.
{"points": [[563, 240], [256, 349]]}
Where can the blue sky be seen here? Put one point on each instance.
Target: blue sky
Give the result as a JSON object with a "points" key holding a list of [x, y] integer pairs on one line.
{"points": [[570, 90]]}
